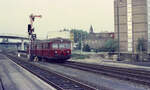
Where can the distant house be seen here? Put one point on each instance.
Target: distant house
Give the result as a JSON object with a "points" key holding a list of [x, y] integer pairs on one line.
{"points": [[97, 40]]}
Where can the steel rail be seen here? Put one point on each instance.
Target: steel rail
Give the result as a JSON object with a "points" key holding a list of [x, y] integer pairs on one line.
{"points": [[1, 85], [56, 80], [121, 73]]}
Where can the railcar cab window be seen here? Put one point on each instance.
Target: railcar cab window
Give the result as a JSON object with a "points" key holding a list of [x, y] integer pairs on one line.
{"points": [[68, 46], [61, 46], [55, 45], [45, 46], [64, 45]]}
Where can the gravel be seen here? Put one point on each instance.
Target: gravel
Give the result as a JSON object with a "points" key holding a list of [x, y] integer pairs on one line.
{"points": [[93, 79], [1, 88]]}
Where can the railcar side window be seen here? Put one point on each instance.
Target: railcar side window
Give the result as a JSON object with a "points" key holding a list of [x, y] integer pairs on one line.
{"points": [[46, 45], [49, 45], [55, 46]]}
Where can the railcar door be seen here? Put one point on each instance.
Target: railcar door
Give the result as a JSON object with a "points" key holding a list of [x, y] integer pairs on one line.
{"points": [[50, 50], [46, 49], [55, 48], [41, 51]]}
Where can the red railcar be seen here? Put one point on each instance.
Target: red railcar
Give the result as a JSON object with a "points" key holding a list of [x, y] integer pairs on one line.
{"points": [[56, 49]]}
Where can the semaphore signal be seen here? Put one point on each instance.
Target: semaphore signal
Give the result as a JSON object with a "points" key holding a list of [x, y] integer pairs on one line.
{"points": [[31, 36]]}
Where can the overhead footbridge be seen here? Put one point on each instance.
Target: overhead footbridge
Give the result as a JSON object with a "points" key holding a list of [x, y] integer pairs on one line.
{"points": [[13, 40]]}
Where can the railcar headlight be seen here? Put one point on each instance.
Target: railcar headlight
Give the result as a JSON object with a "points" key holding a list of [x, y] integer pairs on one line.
{"points": [[68, 51], [55, 52]]}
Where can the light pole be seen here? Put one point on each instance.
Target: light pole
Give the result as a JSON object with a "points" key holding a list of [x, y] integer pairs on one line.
{"points": [[133, 41], [81, 44], [118, 29]]}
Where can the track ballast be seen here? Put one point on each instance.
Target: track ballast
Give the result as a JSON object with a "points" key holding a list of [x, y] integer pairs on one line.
{"points": [[133, 75], [60, 82]]}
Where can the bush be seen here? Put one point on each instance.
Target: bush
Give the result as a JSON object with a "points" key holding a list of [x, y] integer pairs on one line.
{"points": [[141, 47], [86, 48], [78, 56], [110, 46]]}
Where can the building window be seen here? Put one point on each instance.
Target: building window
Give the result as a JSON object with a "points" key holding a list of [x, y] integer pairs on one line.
{"points": [[129, 49], [129, 1], [129, 36], [129, 41], [130, 45], [129, 24]]}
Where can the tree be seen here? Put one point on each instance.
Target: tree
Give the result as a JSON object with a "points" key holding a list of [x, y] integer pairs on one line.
{"points": [[77, 35], [141, 47], [110, 45], [86, 48]]}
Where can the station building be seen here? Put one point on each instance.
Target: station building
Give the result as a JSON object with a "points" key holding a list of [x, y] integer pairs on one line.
{"points": [[132, 20], [97, 40]]}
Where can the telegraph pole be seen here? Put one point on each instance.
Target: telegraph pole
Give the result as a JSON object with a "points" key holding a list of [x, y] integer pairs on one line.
{"points": [[31, 36]]}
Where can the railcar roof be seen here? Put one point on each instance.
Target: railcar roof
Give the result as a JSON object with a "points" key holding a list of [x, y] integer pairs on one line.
{"points": [[52, 40]]}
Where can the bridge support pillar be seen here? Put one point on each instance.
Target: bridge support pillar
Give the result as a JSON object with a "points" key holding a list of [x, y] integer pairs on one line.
{"points": [[22, 44], [5, 40]]}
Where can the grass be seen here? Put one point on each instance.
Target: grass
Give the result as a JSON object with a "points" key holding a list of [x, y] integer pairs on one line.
{"points": [[79, 56]]}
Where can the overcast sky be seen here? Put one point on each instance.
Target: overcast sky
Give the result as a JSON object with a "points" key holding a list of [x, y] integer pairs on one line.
{"points": [[57, 14]]}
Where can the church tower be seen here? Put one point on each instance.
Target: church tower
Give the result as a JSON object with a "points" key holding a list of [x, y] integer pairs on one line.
{"points": [[91, 30]]}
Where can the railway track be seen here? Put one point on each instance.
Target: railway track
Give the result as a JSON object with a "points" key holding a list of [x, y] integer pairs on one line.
{"points": [[60, 82], [1, 85], [133, 75]]}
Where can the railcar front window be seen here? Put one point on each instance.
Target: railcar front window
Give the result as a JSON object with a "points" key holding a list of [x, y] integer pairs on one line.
{"points": [[67, 46], [55, 46], [61, 46], [64, 45]]}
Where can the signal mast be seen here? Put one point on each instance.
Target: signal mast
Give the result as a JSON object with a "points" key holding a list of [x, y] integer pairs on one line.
{"points": [[31, 36]]}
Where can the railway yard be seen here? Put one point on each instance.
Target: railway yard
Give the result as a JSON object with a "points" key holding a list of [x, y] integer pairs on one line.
{"points": [[75, 45], [20, 74]]}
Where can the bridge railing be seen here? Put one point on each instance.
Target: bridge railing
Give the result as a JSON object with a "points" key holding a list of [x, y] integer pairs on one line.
{"points": [[11, 34]]}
